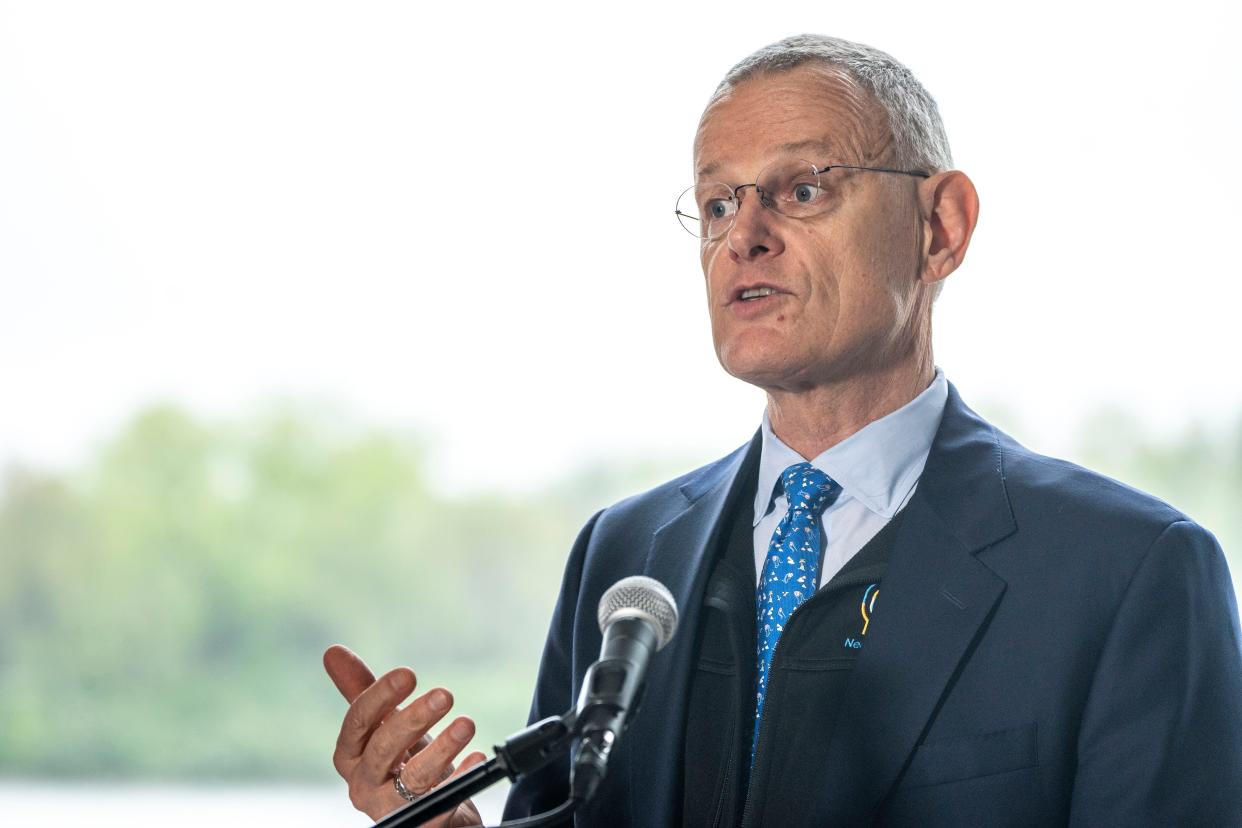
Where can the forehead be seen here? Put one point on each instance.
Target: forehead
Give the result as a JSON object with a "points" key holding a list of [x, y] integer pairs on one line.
{"points": [[814, 109]]}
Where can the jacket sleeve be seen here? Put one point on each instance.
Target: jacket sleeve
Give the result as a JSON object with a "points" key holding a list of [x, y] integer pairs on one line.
{"points": [[549, 787], [1160, 742]]}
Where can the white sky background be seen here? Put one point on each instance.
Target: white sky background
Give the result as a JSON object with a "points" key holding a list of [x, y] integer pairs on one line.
{"points": [[396, 207]]}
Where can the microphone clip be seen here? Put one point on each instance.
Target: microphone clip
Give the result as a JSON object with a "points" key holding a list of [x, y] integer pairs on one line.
{"points": [[531, 748]]}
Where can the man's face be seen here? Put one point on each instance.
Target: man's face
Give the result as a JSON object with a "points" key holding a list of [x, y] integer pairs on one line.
{"points": [[848, 296]]}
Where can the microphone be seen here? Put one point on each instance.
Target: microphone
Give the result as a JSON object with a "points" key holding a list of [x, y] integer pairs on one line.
{"points": [[637, 616]]}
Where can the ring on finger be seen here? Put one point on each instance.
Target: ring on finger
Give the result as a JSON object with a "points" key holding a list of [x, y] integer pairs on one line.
{"points": [[406, 793]]}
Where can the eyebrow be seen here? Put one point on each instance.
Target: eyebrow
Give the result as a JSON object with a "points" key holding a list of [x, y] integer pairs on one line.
{"points": [[793, 146]]}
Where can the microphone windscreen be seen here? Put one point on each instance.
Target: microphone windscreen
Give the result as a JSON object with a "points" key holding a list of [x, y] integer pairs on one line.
{"points": [[640, 597]]}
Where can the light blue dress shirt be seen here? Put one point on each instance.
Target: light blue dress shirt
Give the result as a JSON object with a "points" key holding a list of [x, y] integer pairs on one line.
{"points": [[878, 468]]}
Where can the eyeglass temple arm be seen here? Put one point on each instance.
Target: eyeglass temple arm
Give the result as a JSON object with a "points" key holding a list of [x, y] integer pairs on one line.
{"points": [[918, 173]]}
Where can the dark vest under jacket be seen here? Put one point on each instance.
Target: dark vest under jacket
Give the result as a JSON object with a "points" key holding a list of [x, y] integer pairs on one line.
{"points": [[806, 682]]}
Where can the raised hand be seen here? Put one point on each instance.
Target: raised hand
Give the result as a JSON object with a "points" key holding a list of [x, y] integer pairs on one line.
{"points": [[379, 740]]}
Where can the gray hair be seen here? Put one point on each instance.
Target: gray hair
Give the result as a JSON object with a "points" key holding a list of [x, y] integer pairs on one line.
{"points": [[919, 138]]}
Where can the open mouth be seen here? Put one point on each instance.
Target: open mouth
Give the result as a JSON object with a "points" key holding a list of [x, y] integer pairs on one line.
{"points": [[752, 294]]}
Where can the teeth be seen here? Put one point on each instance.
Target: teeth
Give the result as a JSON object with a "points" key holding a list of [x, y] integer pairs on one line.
{"points": [[755, 293]]}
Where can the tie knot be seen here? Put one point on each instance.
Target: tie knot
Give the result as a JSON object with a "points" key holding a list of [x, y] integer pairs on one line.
{"points": [[808, 488]]}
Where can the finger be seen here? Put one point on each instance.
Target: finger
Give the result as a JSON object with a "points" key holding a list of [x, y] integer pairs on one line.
{"points": [[390, 740], [468, 814], [349, 673], [369, 709], [422, 772], [469, 762], [409, 752]]}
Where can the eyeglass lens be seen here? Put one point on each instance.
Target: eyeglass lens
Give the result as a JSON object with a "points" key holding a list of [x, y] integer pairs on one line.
{"points": [[792, 188]]}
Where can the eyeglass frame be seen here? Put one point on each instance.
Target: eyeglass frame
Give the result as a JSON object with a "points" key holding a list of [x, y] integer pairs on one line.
{"points": [[765, 202]]}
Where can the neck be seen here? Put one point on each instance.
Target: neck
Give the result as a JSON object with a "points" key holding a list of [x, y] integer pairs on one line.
{"points": [[811, 421]]}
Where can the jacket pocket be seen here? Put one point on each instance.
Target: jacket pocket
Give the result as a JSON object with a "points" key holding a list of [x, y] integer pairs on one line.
{"points": [[966, 757]]}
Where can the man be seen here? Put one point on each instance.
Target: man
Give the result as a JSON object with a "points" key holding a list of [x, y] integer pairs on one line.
{"points": [[891, 612]]}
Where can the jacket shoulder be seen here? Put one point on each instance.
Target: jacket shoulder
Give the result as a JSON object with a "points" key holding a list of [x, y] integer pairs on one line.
{"points": [[1055, 489], [649, 510]]}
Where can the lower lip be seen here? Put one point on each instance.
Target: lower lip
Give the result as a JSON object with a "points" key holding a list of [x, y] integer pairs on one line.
{"points": [[750, 308]]}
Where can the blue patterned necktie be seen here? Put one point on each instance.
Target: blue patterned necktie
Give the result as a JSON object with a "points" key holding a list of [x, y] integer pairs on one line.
{"points": [[791, 570]]}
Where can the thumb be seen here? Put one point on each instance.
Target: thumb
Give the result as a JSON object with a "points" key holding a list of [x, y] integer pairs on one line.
{"points": [[349, 673]]}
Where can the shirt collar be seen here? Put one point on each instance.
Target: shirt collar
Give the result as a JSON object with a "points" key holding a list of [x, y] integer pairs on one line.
{"points": [[878, 465]]}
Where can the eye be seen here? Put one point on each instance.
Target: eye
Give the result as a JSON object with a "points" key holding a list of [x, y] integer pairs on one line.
{"points": [[806, 193], [718, 208]]}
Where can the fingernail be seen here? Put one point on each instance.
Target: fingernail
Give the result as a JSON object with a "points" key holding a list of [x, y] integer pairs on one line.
{"points": [[439, 701], [461, 731], [400, 682]]}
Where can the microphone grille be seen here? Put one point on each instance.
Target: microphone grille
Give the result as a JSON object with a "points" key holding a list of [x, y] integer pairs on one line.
{"points": [[640, 597]]}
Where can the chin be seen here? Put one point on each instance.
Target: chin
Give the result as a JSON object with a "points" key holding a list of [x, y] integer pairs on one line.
{"points": [[763, 369]]}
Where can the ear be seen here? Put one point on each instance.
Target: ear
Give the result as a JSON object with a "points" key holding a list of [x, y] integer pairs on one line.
{"points": [[950, 209]]}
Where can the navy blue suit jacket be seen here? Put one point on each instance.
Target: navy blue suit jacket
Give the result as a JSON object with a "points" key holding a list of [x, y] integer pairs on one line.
{"points": [[1055, 647]]}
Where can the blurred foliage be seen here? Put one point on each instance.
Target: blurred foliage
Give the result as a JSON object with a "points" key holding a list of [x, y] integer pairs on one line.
{"points": [[163, 612], [163, 609]]}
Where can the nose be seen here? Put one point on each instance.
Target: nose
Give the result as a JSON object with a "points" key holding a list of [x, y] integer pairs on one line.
{"points": [[754, 233]]}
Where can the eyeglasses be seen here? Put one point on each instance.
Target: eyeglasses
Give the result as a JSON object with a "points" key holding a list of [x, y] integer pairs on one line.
{"points": [[793, 188]]}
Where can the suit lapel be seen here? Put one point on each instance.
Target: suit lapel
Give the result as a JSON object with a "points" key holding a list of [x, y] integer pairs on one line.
{"points": [[680, 558], [936, 599]]}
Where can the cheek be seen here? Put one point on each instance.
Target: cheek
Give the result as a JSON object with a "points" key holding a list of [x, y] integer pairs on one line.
{"points": [[891, 250], [828, 269], [709, 255], [714, 274], [873, 269]]}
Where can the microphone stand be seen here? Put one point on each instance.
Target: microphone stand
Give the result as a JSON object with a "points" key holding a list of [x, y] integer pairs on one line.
{"points": [[523, 752]]}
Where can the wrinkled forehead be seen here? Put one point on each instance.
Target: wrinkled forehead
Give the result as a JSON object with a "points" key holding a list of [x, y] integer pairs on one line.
{"points": [[812, 110]]}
